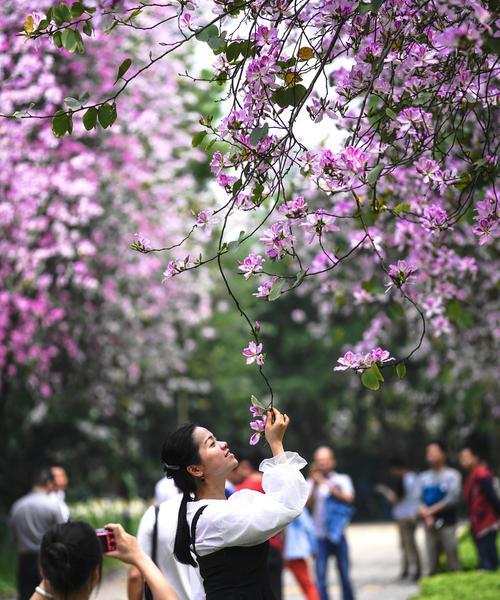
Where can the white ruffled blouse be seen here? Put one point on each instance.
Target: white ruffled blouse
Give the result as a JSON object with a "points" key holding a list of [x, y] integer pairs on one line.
{"points": [[248, 517]]}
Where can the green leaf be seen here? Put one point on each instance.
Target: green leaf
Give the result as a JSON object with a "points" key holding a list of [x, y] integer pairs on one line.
{"points": [[42, 25], [370, 380], [275, 291], [123, 68], [402, 207], [216, 43], [84, 97], [237, 186], [257, 193], [198, 138], [65, 12], [257, 402], [298, 92], [80, 46], [390, 113], [72, 102], [69, 39], [77, 9], [258, 134], [281, 97], [463, 182], [233, 51], [377, 372], [61, 123], [374, 174], [209, 32], [105, 115], [90, 118], [401, 370], [56, 38], [87, 28], [300, 278]]}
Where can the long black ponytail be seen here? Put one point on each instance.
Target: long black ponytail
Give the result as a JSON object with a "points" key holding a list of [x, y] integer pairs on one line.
{"points": [[178, 452]]}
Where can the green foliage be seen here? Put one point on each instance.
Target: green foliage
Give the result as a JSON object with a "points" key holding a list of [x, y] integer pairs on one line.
{"points": [[289, 96], [123, 68], [460, 586]]}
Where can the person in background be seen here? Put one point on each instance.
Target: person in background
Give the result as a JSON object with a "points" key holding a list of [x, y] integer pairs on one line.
{"points": [[59, 493], [71, 563], [405, 503], [29, 519], [156, 537], [165, 489], [238, 475], [483, 506], [323, 483], [301, 544], [439, 494], [253, 481]]}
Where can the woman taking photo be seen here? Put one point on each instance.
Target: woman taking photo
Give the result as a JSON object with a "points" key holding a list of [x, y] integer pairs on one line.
{"points": [[228, 538], [71, 563]]}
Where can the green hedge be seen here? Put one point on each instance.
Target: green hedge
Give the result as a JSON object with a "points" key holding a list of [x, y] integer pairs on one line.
{"points": [[476, 585]]}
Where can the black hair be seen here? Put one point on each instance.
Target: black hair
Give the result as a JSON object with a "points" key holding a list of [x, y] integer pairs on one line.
{"points": [[69, 555], [397, 462], [477, 446], [178, 452], [440, 444], [43, 476]]}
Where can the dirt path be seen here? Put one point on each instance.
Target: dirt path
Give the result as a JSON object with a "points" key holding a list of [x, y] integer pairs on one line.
{"points": [[375, 567]]}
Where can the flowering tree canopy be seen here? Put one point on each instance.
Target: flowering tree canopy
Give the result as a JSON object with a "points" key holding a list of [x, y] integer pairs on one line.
{"points": [[359, 139], [74, 299]]}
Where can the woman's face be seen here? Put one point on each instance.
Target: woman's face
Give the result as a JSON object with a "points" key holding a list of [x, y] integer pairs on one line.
{"points": [[216, 459]]}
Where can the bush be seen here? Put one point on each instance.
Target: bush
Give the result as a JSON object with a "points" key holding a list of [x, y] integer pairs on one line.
{"points": [[476, 585]]}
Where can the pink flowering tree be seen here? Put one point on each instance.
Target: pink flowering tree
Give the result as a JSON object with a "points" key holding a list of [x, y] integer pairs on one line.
{"points": [[359, 142], [86, 326]]}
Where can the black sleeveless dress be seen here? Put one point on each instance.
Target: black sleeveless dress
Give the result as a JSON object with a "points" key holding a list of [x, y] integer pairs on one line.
{"points": [[235, 573]]}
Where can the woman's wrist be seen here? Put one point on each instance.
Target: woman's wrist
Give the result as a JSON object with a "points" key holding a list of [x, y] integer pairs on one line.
{"points": [[277, 448], [142, 561]]}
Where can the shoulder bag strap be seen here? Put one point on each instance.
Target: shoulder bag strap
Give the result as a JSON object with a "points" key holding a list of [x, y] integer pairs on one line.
{"points": [[193, 528]]}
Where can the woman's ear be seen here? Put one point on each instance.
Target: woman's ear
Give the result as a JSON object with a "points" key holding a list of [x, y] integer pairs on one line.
{"points": [[195, 471]]}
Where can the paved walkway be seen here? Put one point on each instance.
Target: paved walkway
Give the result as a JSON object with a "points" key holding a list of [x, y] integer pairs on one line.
{"points": [[375, 567]]}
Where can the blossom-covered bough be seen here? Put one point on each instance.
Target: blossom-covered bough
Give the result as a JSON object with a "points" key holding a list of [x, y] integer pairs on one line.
{"points": [[390, 183]]}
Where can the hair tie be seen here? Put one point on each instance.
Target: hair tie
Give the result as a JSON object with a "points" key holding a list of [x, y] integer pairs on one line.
{"points": [[171, 467]]}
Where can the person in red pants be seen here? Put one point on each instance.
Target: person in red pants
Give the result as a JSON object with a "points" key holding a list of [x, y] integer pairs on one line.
{"points": [[301, 544]]}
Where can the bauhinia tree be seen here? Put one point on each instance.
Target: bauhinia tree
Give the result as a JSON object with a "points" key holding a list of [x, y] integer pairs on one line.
{"points": [[360, 136], [81, 314]]}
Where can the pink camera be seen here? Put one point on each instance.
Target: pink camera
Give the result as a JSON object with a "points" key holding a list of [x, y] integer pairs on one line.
{"points": [[106, 539]]}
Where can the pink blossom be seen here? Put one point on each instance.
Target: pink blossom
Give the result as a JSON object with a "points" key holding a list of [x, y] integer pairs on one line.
{"points": [[317, 224], [278, 239], [251, 264], [265, 288], [294, 209], [253, 353]]}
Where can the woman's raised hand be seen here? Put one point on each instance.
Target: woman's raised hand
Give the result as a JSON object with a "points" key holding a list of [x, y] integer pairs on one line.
{"points": [[127, 546], [276, 425]]}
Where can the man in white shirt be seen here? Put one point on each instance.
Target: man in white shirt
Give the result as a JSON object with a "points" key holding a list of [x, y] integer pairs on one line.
{"points": [[184, 579], [325, 482]]}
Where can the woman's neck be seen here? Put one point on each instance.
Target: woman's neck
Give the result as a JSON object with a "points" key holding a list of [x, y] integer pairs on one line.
{"points": [[212, 490]]}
